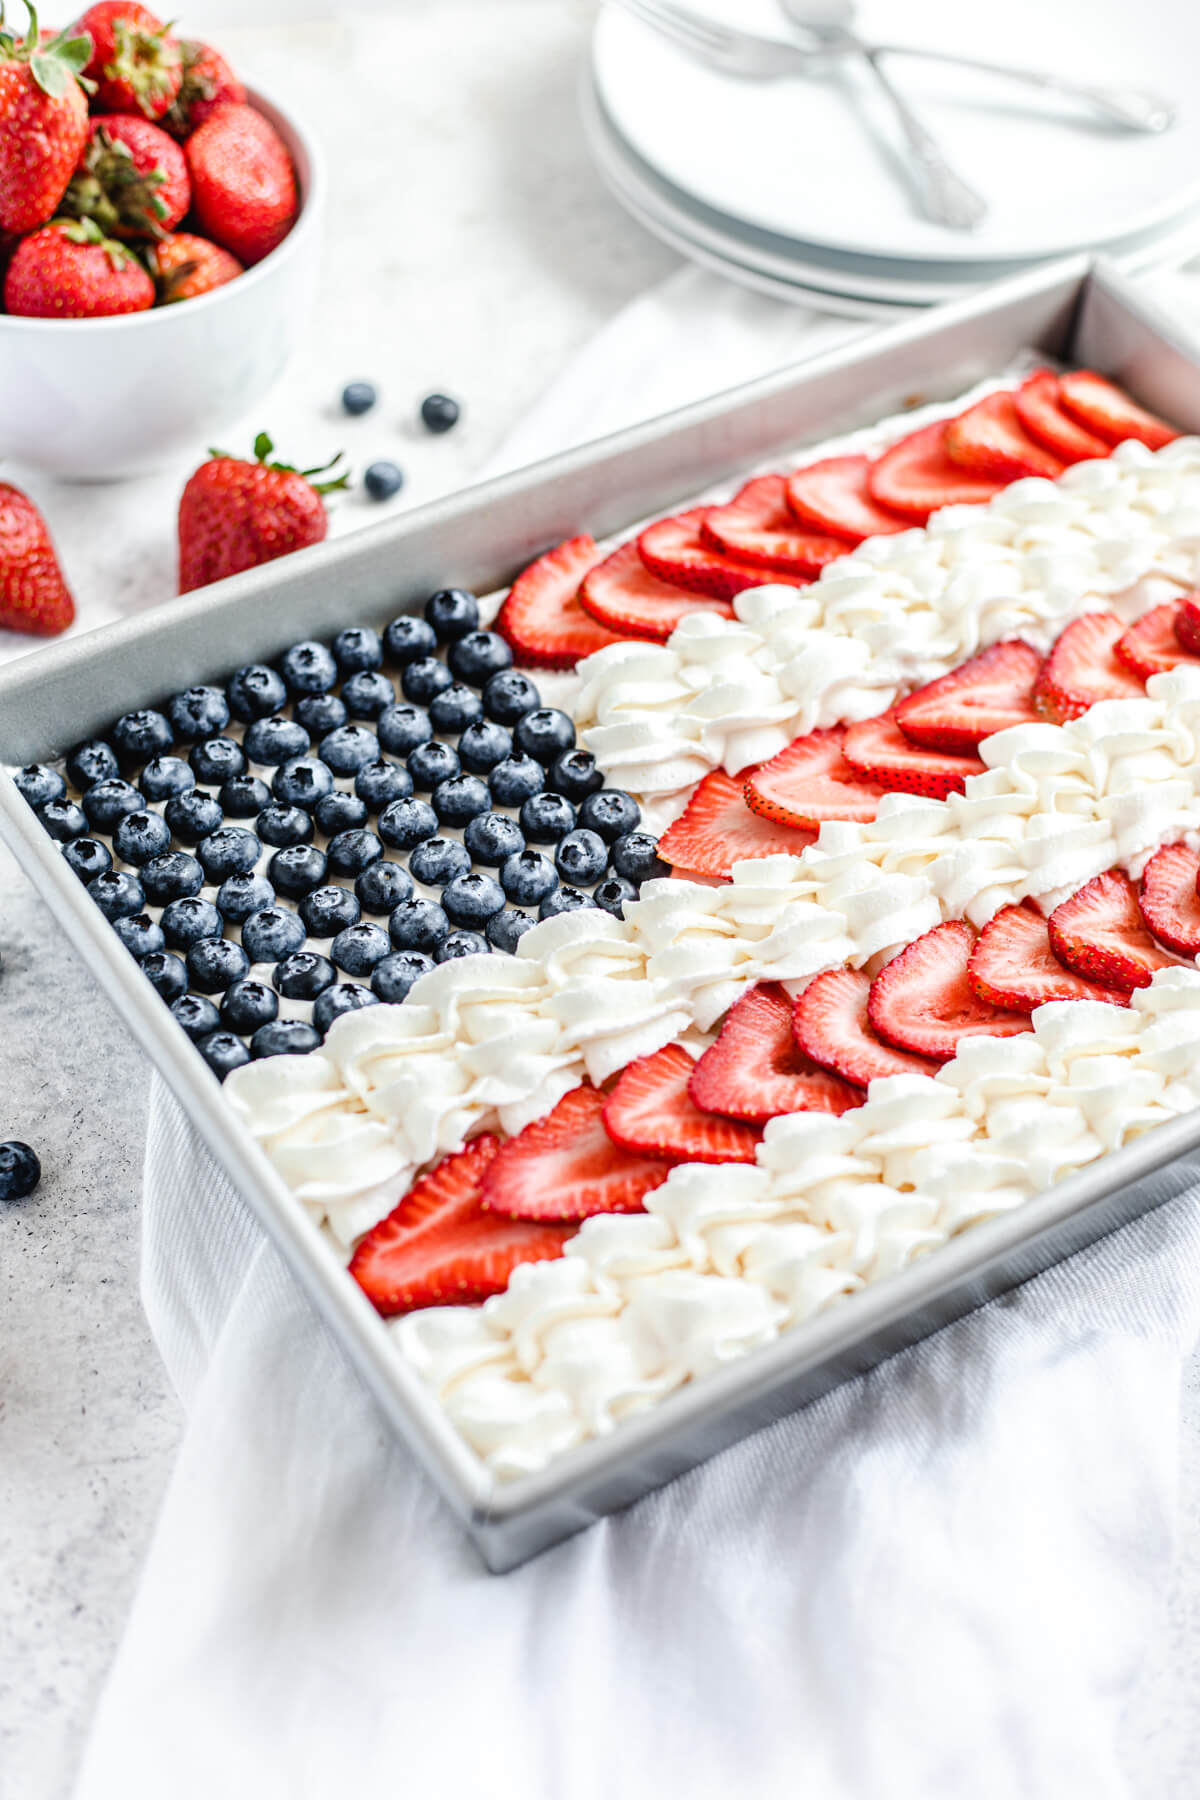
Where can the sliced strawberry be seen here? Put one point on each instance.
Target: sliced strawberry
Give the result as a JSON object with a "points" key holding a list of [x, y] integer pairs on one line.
{"points": [[1152, 646], [987, 693], [989, 439], [650, 1111], [830, 1024], [879, 750], [811, 781], [1083, 667], [566, 1167], [756, 1070], [1013, 965], [718, 829], [1108, 411], [1187, 623], [676, 551], [1169, 899], [621, 593], [1101, 934], [922, 1000], [440, 1248], [834, 495], [542, 618], [1044, 417], [758, 527], [916, 477]]}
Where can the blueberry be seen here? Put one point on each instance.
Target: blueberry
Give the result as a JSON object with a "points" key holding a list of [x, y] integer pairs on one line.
{"points": [[92, 762], [282, 826], [193, 816], [359, 948], [471, 900], [340, 811], [358, 647], [418, 925], [118, 896], [406, 823], [460, 799], [581, 858], [462, 943], [394, 976], [358, 397], [302, 782], [216, 760], [284, 1037], [275, 740], [349, 748], [528, 877], [87, 858], [575, 774], [455, 708], [242, 895], [382, 887], [483, 745], [223, 1052], [544, 733], [328, 910], [140, 836], [255, 692], [36, 784], [107, 803], [506, 929], [196, 1014], [367, 694], [140, 735], [350, 852], [515, 779], [166, 974], [439, 860], [383, 480], [492, 837], [249, 1004], [320, 713], [271, 934], [439, 413], [478, 656], [243, 797], [422, 679], [545, 818], [380, 782], [407, 637], [402, 728], [635, 858], [141, 935], [186, 920], [508, 696], [612, 814], [20, 1170], [230, 851], [614, 894], [432, 763], [215, 964], [452, 612], [308, 668], [165, 776], [563, 899], [346, 997], [173, 876], [63, 820], [303, 975], [198, 712], [297, 870]]}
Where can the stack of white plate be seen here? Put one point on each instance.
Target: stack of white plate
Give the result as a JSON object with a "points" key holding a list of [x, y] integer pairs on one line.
{"points": [[798, 187]]}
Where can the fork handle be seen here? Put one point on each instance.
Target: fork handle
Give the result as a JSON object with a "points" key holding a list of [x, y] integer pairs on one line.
{"points": [[944, 196], [1132, 107]]}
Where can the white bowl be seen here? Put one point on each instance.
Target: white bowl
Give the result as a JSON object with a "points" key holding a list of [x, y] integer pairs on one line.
{"points": [[96, 399]]}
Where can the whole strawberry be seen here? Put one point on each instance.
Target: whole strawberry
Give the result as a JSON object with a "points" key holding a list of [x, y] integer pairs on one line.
{"points": [[136, 63], [207, 81], [234, 515], [70, 270], [43, 122], [33, 595], [243, 184], [132, 179], [187, 266]]}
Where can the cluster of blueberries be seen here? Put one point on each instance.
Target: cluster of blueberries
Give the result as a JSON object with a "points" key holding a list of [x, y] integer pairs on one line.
{"points": [[540, 833]]}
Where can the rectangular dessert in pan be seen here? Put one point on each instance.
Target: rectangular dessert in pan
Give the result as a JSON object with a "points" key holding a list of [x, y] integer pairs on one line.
{"points": [[991, 779]]}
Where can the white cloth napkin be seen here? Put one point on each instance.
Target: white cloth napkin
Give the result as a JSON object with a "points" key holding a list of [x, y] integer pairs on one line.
{"points": [[936, 1583]]}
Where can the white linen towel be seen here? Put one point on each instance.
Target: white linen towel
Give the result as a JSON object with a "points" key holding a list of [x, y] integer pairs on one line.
{"points": [[935, 1584]]}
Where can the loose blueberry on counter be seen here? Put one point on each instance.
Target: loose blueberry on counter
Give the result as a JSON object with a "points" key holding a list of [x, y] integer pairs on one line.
{"points": [[87, 858], [439, 413], [107, 803], [470, 900], [37, 784], [196, 1014], [544, 733], [273, 933], [137, 736], [283, 826], [406, 823], [439, 860], [356, 648], [452, 612], [304, 975], [407, 638], [383, 480], [340, 811], [165, 776], [506, 929], [545, 818], [91, 762], [581, 857], [216, 760], [359, 948], [350, 852], [382, 887], [358, 397], [118, 896], [284, 1037], [422, 679], [302, 782], [275, 740], [349, 749], [242, 895], [247, 1005], [243, 797], [188, 920], [402, 728], [512, 781], [612, 813], [308, 668], [394, 976], [528, 877], [492, 838], [172, 876], [320, 713], [575, 774], [214, 964], [20, 1170], [255, 692], [418, 924], [231, 851], [328, 910], [478, 656], [166, 974], [198, 712], [462, 943], [432, 763], [483, 745], [366, 694], [460, 799], [455, 708], [223, 1052], [296, 871], [508, 696], [380, 782], [613, 894], [347, 996], [63, 820], [193, 815], [563, 899], [634, 857], [141, 935]]}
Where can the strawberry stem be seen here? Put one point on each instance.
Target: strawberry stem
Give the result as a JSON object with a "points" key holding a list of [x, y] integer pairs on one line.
{"points": [[263, 448]]}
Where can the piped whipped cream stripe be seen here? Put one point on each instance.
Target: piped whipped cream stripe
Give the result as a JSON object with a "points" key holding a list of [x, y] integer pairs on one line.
{"points": [[726, 1258]]}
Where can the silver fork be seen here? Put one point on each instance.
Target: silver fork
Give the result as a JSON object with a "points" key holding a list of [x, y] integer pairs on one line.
{"points": [[943, 195]]}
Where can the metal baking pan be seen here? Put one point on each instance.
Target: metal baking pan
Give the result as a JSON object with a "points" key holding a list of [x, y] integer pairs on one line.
{"points": [[1075, 310]]}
